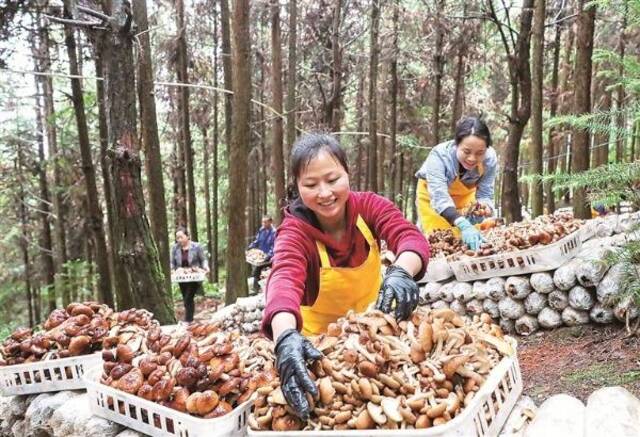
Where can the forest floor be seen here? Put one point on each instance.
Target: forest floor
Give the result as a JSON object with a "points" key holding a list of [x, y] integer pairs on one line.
{"points": [[579, 360]]}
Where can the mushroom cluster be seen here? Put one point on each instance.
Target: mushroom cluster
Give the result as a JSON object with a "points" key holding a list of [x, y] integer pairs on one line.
{"points": [[201, 371], [255, 256], [378, 373], [78, 329], [443, 242]]}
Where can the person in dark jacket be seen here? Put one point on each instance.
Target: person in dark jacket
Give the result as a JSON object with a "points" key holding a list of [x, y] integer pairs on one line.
{"points": [[265, 238], [188, 254]]}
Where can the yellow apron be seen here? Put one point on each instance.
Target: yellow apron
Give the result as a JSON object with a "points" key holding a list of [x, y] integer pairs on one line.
{"points": [[461, 195], [343, 288]]}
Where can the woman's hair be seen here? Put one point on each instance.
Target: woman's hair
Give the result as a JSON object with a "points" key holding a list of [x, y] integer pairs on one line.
{"points": [[472, 126], [306, 148], [184, 230]]}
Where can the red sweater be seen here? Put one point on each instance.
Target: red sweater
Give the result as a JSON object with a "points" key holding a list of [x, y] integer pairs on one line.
{"points": [[294, 278]]}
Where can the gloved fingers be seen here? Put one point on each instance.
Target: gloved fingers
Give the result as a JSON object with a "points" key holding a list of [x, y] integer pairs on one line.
{"points": [[402, 303], [385, 300], [296, 398], [310, 352], [301, 375]]}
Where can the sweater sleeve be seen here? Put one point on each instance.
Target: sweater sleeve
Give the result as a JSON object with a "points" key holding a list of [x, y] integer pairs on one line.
{"points": [[390, 225], [286, 283]]}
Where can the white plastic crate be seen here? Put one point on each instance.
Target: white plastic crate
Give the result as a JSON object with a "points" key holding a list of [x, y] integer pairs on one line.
{"points": [[153, 419], [45, 376], [538, 259], [189, 277], [485, 415]]}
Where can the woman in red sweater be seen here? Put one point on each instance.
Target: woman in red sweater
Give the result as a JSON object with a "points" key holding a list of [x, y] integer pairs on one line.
{"points": [[327, 260]]}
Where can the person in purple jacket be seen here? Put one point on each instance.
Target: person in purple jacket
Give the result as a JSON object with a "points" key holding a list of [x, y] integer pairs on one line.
{"points": [[264, 241]]}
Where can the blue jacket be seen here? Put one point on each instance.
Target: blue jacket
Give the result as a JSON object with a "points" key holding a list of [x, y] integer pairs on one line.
{"points": [[441, 168], [265, 240]]}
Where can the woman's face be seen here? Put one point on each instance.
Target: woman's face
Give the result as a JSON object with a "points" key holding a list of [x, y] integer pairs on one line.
{"points": [[471, 151], [181, 238], [324, 187]]}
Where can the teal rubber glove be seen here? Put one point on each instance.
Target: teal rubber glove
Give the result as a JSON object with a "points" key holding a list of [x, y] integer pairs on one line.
{"points": [[470, 235]]}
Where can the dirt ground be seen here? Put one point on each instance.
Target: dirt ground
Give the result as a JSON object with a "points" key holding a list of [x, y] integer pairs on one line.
{"points": [[205, 307], [579, 360]]}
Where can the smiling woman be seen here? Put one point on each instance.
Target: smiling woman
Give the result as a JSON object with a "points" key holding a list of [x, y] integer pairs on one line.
{"points": [[327, 260], [456, 176]]}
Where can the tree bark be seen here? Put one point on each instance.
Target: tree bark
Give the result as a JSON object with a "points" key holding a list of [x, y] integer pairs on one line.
{"points": [[213, 259], [183, 109], [620, 91], [118, 273], [207, 194], [373, 90], [151, 141], [227, 70], [88, 169], [393, 94], [520, 108], [24, 226], [360, 167], [553, 146], [582, 101], [291, 79], [277, 159], [46, 244], [236, 284], [438, 67], [60, 234], [135, 242], [601, 141], [333, 108], [537, 76]]}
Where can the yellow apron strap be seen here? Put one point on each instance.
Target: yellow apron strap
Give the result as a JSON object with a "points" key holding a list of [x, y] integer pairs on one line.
{"points": [[324, 257], [366, 232]]}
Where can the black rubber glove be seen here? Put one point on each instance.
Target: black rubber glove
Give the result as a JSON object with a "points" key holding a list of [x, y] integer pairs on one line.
{"points": [[398, 285], [292, 352]]}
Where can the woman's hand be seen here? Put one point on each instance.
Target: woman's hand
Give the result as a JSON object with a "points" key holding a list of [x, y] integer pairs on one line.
{"points": [[398, 286], [292, 352]]}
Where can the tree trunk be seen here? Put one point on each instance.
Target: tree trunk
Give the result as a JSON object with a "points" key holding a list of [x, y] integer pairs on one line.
{"points": [[213, 259], [117, 268], [620, 92], [183, 109], [93, 203], [207, 195], [291, 79], [24, 226], [236, 285], [135, 242], [520, 83], [438, 66], [60, 233], [151, 141], [333, 109], [360, 168], [393, 93], [373, 90], [277, 159], [46, 244], [537, 76], [227, 70], [601, 141], [553, 146], [582, 102]]}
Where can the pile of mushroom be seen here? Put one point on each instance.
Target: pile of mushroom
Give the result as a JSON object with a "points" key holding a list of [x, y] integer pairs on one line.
{"points": [[77, 330], [244, 316], [442, 242], [255, 256], [585, 288], [542, 230], [378, 373], [201, 371]]}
